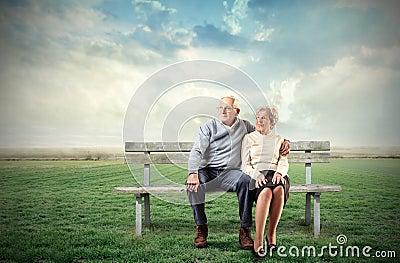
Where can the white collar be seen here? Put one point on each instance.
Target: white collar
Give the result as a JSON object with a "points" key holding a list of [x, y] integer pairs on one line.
{"points": [[233, 126]]}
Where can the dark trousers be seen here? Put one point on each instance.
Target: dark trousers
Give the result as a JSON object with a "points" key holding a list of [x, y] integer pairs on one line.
{"points": [[212, 179]]}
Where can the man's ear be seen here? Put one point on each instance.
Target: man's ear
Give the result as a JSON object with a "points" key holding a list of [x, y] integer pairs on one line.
{"points": [[237, 111]]}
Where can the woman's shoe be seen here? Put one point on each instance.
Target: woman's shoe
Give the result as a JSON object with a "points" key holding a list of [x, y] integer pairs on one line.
{"points": [[260, 253]]}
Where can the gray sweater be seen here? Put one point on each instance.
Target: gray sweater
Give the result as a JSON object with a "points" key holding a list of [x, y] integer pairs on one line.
{"points": [[218, 146]]}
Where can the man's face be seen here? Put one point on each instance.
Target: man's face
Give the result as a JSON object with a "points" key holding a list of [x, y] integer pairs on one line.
{"points": [[226, 112]]}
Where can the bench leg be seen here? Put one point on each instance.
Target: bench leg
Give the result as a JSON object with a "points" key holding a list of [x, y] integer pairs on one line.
{"points": [[147, 210], [317, 218], [308, 208], [138, 214]]}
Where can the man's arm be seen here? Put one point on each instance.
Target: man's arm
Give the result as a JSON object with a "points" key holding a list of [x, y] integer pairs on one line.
{"points": [[195, 156], [198, 149], [249, 127]]}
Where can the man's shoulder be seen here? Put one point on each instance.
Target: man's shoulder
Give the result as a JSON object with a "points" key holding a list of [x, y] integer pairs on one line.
{"points": [[249, 127], [210, 125]]}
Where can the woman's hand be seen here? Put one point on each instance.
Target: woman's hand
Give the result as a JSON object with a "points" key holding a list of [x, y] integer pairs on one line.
{"points": [[261, 180], [278, 178]]}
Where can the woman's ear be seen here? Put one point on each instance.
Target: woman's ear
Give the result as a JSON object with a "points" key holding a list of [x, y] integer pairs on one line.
{"points": [[237, 111]]}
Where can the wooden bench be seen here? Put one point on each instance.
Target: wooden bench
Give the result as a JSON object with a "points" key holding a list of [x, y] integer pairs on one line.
{"points": [[149, 153]]}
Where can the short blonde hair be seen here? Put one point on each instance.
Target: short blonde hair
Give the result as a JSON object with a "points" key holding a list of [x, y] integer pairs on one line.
{"points": [[272, 114]]}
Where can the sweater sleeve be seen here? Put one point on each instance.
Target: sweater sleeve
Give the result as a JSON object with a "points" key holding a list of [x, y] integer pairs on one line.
{"points": [[198, 149]]}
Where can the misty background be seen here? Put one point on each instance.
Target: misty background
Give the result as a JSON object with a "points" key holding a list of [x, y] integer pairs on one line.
{"points": [[69, 69]]}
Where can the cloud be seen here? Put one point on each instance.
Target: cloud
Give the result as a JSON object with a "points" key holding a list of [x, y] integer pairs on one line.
{"points": [[264, 34], [85, 95], [209, 35], [154, 13], [348, 103], [57, 85], [389, 7], [307, 38], [384, 57], [282, 95], [67, 69], [235, 14], [157, 30]]}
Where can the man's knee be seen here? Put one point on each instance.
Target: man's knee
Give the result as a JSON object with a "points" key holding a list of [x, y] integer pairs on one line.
{"points": [[243, 181], [244, 178]]}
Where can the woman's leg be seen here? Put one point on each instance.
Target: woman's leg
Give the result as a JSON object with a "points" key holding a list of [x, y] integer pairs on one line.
{"points": [[262, 208], [275, 213]]}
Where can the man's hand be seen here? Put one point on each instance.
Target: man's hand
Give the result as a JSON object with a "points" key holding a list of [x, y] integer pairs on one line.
{"points": [[285, 148], [192, 182]]}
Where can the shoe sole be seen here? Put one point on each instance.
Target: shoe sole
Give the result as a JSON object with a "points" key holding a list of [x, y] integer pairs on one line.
{"points": [[202, 246], [245, 248]]}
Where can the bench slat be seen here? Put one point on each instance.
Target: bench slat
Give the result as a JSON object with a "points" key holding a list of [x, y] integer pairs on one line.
{"points": [[158, 146], [312, 157], [157, 158], [187, 146], [182, 158], [303, 188], [310, 146]]}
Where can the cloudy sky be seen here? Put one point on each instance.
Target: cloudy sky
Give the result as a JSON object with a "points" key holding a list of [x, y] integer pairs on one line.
{"points": [[69, 69]]}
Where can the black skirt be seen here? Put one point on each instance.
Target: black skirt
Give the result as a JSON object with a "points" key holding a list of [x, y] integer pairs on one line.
{"points": [[269, 174]]}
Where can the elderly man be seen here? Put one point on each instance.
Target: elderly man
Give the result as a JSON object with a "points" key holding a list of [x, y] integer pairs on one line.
{"points": [[214, 162]]}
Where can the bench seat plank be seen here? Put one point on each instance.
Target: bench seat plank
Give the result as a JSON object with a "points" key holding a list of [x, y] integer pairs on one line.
{"points": [[302, 188], [182, 158], [187, 146]]}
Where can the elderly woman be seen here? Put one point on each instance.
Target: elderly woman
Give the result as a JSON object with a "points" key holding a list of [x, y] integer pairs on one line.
{"points": [[268, 169]]}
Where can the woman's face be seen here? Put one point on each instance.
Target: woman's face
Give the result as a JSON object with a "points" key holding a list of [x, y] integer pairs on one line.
{"points": [[263, 124]]}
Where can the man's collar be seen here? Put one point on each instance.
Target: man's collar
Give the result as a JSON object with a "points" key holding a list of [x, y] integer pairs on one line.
{"points": [[232, 127]]}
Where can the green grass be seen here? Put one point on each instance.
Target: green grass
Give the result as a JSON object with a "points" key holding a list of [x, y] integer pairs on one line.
{"points": [[66, 212]]}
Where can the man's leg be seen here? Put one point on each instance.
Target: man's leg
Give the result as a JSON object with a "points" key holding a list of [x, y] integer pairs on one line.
{"points": [[197, 200], [237, 181]]}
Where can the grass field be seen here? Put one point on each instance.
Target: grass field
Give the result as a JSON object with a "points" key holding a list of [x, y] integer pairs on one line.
{"points": [[65, 211]]}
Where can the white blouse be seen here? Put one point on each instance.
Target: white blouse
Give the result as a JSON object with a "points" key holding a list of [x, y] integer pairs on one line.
{"points": [[261, 152]]}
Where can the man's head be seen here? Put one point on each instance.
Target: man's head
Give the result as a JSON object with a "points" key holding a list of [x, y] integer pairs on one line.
{"points": [[228, 110]]}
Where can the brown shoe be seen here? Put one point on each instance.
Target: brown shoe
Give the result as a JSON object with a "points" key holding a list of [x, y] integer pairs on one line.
{"points": [[200, 241], [245, 238]]}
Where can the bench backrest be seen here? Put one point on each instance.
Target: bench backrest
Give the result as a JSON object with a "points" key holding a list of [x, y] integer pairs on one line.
{"points": [[148, 153]]}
